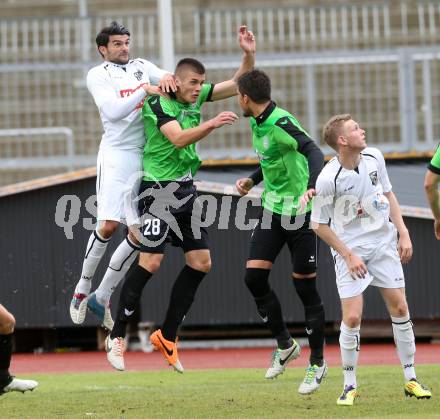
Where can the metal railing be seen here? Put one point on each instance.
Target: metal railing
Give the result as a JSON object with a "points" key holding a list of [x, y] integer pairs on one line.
{"points": [[393, 90], [395, 94], [303, 28], [381, 24], [34, 148]]}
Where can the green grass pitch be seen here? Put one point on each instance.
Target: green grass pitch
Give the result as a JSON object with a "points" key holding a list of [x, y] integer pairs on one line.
{"points": [[231, 393]]}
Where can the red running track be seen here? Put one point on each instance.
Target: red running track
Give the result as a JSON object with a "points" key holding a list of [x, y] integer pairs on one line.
{"points": [[206, 358]]}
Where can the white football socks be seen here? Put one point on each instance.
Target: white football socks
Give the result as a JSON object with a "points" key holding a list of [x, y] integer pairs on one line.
{"points": [[349, 341], [405, 344], [95, 250], [122, 259]]}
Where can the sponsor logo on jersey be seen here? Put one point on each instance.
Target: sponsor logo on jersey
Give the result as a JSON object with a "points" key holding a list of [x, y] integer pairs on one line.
{"points": [[260, 155], [128, 92], [138, 75], [380, 202], [373, 177], [184, 113], [266, 142], [359, 210]]}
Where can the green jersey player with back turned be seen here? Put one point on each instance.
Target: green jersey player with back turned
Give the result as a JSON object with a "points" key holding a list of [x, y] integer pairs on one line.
{"points": [[290, 162]]}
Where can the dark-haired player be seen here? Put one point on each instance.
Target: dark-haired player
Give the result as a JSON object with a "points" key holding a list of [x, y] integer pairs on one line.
{"points": [[119, 86], [290, 162]]}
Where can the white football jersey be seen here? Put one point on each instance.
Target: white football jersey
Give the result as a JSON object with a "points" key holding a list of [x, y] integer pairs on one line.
{"points": [[354, 200], [119, 97]]}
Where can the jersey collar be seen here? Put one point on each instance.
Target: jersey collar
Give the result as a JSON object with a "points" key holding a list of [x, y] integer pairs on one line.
{"points": [[122, 66], [265, 114], [356, 169]]}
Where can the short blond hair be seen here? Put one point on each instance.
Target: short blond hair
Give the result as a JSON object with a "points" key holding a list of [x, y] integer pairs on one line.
{"points": [[332, 129]]}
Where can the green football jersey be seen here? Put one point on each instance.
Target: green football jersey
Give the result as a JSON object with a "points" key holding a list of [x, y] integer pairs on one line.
{"points": [[162, 160], [434, 164], [280, 143]]}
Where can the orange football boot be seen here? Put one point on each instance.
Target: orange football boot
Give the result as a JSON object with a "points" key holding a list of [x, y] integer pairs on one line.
{"points": [[168, 349]]}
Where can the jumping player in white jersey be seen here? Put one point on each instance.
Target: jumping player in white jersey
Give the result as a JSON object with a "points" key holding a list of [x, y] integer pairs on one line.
{"points": [[119, 87], [354, 194]]}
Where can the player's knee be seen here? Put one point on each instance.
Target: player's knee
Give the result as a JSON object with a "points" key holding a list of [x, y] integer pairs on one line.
{"points": [[153, 266], [107, 228], [297, 276], [7, 325], [353, 320], [151, 263], [132, 237], [401, 309], [202, 265]]}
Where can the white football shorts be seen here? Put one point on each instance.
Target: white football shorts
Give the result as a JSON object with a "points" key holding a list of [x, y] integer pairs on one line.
{"points": [[383, 264], [118, 175]]}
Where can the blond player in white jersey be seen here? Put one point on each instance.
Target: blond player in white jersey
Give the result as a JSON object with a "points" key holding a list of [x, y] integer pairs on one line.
{"points": [[119, 87], [354, 195]]}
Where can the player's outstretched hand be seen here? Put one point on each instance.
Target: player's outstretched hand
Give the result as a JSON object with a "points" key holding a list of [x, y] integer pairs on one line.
{"points": [[305, 199], [167, 83], [244, 185], [404, 247], [356, 266], [246, 39], [224, 118]]}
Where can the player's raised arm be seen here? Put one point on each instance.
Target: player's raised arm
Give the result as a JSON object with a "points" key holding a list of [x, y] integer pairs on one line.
{"points": [[247, 43]]}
